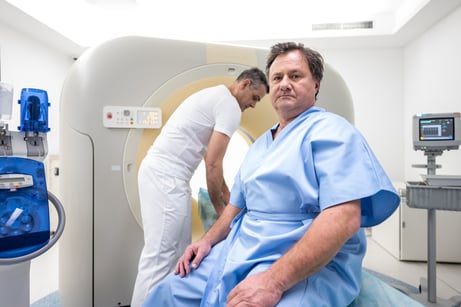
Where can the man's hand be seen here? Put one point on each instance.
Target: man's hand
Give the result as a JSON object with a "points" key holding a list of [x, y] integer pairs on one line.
{"points": [[192, 257], [259, 290]]}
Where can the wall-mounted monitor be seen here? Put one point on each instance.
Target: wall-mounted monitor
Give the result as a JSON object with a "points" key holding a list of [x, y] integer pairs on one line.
{"points": [[437, 131]]}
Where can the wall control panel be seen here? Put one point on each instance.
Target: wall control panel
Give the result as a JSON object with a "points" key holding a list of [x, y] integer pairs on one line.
{"points": [[132, 117]]}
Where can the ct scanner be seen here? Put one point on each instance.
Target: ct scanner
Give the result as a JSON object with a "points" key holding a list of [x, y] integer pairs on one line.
{"points": [[99, 251]]}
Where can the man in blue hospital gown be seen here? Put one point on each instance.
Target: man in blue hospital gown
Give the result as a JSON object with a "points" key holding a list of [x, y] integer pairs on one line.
{"points": [[291, 234]]}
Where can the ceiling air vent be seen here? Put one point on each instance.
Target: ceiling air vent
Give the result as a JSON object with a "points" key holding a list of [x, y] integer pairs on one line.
{"points": [[343, 26], [113, 4]]}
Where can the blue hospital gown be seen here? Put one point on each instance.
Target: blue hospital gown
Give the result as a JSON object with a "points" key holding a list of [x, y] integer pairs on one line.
{"points": [[317, 161]]}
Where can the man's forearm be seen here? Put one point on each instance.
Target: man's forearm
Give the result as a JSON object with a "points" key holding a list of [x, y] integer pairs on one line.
{"points": [[319, 245], [215, 181], [220, 229]]}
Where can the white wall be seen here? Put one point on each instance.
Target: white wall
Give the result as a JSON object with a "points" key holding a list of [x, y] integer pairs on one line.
{"points": [[375, 79], [432, 83], [389, 86], [27, 63]]}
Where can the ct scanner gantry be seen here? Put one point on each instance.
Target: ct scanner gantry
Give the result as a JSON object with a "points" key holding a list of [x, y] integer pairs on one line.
{"points": [[99, 251]]}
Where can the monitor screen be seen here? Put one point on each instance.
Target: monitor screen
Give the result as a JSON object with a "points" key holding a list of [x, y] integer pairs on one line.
{"points": [[436, 129]]}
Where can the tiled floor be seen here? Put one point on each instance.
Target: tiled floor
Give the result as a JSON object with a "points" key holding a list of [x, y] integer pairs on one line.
{"points": [[44, 273]]}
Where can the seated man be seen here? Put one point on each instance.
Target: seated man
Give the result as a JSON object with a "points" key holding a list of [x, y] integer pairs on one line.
{"points": [[291, 234]]}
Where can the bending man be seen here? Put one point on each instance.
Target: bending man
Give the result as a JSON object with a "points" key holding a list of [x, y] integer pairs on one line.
{"points": [[200, 128]]}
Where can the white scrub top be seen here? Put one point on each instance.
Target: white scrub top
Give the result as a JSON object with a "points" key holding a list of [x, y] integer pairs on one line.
{"points": [[183, 141]]}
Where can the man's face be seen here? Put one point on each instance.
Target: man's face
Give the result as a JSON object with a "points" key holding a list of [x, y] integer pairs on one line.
{"points": [[250, 94], [292, 88]]}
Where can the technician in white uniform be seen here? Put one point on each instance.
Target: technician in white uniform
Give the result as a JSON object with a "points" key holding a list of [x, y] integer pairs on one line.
{"points": [[200, 128]]}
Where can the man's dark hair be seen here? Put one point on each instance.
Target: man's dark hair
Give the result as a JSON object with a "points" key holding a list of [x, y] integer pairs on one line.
{"points": [[256, 76], [314, 59]]}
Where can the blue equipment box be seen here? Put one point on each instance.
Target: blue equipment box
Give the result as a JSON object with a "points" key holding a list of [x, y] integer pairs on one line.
{"points": [[24, 209], [34, 110]]}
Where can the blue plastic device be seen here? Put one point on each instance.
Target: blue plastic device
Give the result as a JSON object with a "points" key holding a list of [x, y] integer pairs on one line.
{"points": [[24, 210], [34, 110]]}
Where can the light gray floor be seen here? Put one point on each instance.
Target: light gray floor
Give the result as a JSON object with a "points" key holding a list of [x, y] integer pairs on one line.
{"points": [[448, 283], [44, 273]]}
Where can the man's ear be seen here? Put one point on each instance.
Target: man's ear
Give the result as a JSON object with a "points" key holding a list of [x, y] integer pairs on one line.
{"points": [[245, 83]]}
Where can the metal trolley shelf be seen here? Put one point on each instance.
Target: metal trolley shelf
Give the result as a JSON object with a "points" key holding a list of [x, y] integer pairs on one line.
{"points": [[423, 196], [430, 196]]}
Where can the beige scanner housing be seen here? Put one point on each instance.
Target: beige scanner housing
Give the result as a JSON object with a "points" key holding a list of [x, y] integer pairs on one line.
{"points": [[100, 247]]}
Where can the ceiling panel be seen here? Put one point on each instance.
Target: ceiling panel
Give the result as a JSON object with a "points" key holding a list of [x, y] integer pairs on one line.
{"points": [[256, 22]]}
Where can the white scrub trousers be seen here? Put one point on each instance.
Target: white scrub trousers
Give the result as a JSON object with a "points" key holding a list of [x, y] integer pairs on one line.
{"points": [[166, 215]]}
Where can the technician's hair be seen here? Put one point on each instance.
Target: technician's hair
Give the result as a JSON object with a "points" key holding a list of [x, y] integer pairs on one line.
{"points": [[314, 59], [256, 76]]}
